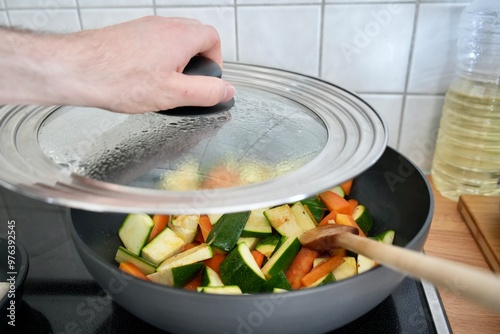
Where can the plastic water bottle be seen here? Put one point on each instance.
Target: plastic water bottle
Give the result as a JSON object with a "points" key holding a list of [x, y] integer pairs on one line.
{"points": [[467, 155]]}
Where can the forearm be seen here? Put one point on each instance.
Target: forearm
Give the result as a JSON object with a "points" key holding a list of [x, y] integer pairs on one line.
{"points": [[27, 66]]}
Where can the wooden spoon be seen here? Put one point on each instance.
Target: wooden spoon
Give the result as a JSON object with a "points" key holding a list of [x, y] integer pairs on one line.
{"points": [[480, 285]]}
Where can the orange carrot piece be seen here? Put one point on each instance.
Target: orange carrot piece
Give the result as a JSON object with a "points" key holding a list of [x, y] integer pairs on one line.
{"points": [[346, 186], [194, 283], [258, 257], [132, 269], [189, 246], [321, 270], [300, 266], [331, 216], [353, 203], [349, 221], [215, 261], [205, 226], [160, 222], [338, 251], [335, 202]]}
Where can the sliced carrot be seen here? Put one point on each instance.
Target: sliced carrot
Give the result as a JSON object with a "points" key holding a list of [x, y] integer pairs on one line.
{"points": [[335, 202], [160, 222], [338, 251], [353, 203], [205, 226], [300, 266], [331, 216], [349, 221], [190, 245], [346, 186], [215, 261], [199, 236], [259, 257], [194, 283], [132, 269], [321, 270]]}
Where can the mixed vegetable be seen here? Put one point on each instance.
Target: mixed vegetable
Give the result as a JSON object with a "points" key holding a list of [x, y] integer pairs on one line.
{"points": [[245, 252]]}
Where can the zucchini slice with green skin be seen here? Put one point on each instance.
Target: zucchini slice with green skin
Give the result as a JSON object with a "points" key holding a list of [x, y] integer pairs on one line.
{"points": [[347, 269], [239, 268], [302, 217], [257, 225], [135, 230], [365, 263], [124, 255], [196, 254], [282, 257], [283, 220], [277, 281], [315, 206], [226, 232], [209, 277], [267, 245], [362, 218], [221, 290], [386, 237], [163, 246], [177, 276], [251, 242]]}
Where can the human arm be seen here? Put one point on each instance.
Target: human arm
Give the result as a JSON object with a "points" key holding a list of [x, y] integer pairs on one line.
{"points": [[131, 67]]}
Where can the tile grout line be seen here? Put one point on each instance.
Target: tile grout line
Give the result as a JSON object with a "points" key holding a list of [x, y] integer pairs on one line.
{"points": [[408, 70], [78, 12], [321, 37], [237, 39]]}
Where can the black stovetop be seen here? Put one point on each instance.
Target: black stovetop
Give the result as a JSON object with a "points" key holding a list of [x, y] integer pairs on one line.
{"points": [[60, 296]]}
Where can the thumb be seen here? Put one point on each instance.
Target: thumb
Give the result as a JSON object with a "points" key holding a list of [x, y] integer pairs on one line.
{"points": [[201, 91]]}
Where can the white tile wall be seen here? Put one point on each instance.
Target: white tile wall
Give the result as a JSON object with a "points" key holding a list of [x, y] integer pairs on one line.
{"points": [[40, 4], [420, 126], [96, 18], [221, 17], [397, 54], [115, 3], [434, 53], [286, 37], [366, 48], [3, 18], [54, 20]]}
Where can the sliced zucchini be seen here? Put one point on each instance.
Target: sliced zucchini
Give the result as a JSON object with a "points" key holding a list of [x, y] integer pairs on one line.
{"points": [[277, 281], [347, 269], [163, 246], [239, 268], [302, 217], [209, 277], [192, 255], [257, 225], [251, 242], [267, 245], [186, 226], [315, 206], [177, 276], [362, 218], [338, 190], [214, 217], [124, 255], [221, 290], [283, 220], [386, 237], [135, 230], [328, 278], [282, 257], [227, 231]]}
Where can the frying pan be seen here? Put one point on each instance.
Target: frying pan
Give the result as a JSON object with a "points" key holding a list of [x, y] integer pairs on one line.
{"points": [[395, 191]]}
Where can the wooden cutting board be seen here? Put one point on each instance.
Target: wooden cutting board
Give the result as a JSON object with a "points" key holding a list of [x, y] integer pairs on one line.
{"points": [[482, 215]]}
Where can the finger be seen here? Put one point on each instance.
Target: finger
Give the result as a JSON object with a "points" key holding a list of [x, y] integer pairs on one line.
{"points": [[210, 46], [201, 90]]}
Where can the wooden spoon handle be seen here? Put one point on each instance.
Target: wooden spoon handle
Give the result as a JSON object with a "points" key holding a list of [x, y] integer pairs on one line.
{"points": [[483, 286]]}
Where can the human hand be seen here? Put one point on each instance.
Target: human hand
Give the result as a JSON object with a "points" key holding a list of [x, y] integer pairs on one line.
{"points": [[131, 67]]}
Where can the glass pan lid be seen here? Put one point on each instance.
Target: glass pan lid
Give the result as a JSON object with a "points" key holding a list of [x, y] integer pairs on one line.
{"points": [[287, 137]]}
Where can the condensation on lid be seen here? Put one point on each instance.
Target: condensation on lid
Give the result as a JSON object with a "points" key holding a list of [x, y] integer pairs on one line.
{"points": [[287, 137]]}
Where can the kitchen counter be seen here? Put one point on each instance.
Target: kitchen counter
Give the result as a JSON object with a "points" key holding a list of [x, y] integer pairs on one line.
{"points": [[449, 238]]}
